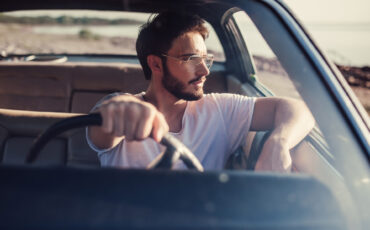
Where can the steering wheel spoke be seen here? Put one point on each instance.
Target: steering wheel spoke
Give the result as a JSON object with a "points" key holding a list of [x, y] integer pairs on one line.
{"points": [[165, 160]]}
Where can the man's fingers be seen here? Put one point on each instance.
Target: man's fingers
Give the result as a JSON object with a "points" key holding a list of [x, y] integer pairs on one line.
{"points": [[157, 133], [145, 124], [106, 112], [119, 120], [287, 164], [274, 158], [160, 127], [132, 114]]}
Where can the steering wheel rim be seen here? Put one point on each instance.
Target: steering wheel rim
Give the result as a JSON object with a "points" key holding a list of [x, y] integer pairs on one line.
{"points": [[174, 148]]}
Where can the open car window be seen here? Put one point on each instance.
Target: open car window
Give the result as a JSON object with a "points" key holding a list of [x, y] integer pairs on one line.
{"points": [[279, 71], [53, 32], [269, 71]]}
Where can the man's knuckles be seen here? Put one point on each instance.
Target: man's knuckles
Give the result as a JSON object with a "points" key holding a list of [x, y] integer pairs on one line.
{"points": [[138, 119]]}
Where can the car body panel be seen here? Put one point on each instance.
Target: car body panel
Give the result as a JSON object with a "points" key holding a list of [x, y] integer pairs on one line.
{"points": [[194, 200]]}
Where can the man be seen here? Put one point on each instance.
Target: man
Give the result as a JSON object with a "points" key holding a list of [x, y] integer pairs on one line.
{"points": [[174, 57]]}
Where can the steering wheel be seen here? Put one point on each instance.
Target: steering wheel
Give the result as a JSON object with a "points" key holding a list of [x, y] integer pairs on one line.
{"points": [[174, 148]]}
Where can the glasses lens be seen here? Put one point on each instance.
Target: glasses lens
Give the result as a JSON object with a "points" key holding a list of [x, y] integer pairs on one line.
{"points": [[196, 60], [209, 61]]}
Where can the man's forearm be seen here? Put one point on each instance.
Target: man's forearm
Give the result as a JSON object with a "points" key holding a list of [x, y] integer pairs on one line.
{"points": [[293, 121]]}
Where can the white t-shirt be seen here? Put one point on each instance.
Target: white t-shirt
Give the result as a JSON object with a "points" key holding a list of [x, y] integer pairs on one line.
{"points": [[212, 128]]}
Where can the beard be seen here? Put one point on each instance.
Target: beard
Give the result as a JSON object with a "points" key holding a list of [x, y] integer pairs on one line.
{"points": [[177, 88]]}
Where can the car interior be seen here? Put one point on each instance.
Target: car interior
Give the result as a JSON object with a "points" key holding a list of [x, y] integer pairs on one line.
{"points": [[42, 91], [36, 95]]}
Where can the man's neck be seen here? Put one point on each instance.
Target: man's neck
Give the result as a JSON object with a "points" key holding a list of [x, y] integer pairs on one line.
{"points": [[170, 106]]}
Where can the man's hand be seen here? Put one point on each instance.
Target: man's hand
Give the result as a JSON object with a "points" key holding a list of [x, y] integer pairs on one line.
{"points": [[290, 121], [275, 156], [127, 117]]}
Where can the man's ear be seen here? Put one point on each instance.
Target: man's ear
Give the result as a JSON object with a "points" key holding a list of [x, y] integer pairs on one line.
{"points": [[155, 64]]}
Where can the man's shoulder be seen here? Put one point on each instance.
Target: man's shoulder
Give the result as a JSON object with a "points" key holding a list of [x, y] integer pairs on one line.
{"points": [[215, 99], [222, 96], [225, 100], [210, 96]]}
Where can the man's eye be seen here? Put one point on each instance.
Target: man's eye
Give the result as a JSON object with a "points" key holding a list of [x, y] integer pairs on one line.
{"points": [[195, 58], [186, 58]]}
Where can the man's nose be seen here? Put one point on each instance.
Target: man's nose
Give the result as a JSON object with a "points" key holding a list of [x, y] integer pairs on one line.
{"points": [[202, 69]]}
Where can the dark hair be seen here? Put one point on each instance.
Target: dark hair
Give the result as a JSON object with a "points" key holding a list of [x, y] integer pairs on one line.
{"points": [[156, 36]]}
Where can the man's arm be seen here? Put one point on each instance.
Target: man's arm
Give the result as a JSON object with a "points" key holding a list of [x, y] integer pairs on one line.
{"points": [[289, 121]]}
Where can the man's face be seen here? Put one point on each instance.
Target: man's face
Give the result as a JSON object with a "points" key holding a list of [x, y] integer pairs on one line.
{"points": [[185, 80]]}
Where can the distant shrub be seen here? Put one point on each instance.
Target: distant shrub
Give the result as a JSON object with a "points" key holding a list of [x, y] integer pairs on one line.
{"points": [[87, 34], [66, 20]]}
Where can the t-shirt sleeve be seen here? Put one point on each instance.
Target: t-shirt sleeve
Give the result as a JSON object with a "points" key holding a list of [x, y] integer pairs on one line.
{"points": [[237, 112]]}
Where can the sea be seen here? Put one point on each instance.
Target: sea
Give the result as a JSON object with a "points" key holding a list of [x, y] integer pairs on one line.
{"points": [[346, 44]]}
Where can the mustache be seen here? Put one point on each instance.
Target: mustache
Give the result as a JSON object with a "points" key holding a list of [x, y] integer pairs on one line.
{"points": [[196, 79]]}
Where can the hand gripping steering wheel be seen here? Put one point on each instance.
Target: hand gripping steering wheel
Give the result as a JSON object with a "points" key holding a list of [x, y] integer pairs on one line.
{"points": [[174, 148]]}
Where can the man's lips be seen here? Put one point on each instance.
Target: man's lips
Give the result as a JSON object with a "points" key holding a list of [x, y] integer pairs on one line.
{"points": [[197, 80]]}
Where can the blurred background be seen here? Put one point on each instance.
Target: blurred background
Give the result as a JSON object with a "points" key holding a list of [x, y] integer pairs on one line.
{"points": [[341, 28]]}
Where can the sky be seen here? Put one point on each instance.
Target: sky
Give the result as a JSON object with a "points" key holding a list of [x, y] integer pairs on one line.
{"points": [[331, 11]]}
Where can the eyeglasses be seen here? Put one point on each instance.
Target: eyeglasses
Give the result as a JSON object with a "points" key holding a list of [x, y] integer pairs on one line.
{"points": [[195, 59]]}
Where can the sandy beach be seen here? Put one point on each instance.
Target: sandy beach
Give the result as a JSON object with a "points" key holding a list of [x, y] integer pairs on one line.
{"points": [[19, 39], [357, 77]]}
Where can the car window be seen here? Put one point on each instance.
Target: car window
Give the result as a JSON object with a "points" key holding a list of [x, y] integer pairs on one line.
{"points": [[327, 152], [78, 32], [269, 71], [273, 75]]}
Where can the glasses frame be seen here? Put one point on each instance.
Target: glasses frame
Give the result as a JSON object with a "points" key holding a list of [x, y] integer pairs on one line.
{"points": [[207, 59]]}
